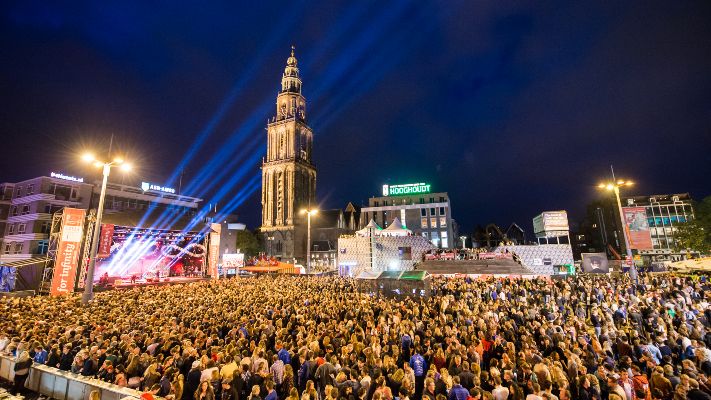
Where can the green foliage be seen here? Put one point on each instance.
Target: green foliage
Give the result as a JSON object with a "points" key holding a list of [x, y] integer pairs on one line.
{"points": [[247, 243], [696, 234]]}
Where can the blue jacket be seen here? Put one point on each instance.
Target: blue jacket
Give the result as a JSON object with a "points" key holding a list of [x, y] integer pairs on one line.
{"points": [[271, 396], [418, 364], [284, 356], [458, 392], [40, 357]]}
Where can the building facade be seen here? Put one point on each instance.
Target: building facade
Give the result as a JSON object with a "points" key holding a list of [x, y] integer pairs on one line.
{"points": [[425, 213], [288, 174], [26, 210], [663, 214], [29, 205]]}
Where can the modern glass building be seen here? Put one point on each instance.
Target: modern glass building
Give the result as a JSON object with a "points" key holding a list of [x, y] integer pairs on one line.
{"points": [[664, 213]]}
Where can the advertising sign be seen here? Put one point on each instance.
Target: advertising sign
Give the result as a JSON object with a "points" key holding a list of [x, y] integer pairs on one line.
{"points": [[106, 238], [409, 188], [214, 250], [637, 228], [232, 260], [67, 260], [595, 263], [551, 221], [146, 186]]}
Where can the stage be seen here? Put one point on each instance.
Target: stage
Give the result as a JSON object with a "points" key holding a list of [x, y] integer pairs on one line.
{"points": [[118, 283]]}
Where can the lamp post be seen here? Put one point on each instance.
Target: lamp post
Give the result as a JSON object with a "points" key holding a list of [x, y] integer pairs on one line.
{"points": [[117, 162], [309, 213], [615, 187]]}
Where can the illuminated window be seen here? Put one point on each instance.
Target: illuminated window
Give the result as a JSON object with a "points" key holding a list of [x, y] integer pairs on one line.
{"points": [[423, 222], [442, 221], [433, 221]]}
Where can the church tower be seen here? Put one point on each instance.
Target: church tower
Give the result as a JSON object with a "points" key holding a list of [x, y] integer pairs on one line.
{"points": [[288, 175]]}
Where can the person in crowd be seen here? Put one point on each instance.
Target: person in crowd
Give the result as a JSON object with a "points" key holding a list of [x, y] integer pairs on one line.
{"points": [[204, 392], [582, 338]]}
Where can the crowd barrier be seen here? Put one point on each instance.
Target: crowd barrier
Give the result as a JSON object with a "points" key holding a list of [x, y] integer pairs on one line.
{"points": [[63, 385]]}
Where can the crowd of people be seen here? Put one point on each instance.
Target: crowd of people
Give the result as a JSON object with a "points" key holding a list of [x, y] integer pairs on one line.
{"points": [[326, 338]]}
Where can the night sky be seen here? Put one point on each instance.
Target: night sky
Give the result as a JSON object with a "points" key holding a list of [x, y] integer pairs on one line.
{"points": [[511, 107]]}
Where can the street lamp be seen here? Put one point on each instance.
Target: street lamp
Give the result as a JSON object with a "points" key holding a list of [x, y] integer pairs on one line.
{"points": [[309, 213], [117, 162], [615, 186]]}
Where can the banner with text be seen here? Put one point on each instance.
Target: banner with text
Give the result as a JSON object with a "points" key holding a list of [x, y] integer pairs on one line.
{"points": [[214, 250], [105, 240], [67, 259], [637, 228]]}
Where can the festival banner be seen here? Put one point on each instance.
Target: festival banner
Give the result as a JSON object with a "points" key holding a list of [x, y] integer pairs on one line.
{"points": [[67, 259], [637, 228], [214, 250], [105, 240]]}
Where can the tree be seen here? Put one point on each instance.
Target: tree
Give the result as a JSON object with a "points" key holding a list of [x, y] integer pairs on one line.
{"points": [[696, 233], [247, 243], [691, 235]]}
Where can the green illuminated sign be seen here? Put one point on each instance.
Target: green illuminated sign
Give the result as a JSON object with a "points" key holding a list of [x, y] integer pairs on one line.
{"points": [[410, 188]]}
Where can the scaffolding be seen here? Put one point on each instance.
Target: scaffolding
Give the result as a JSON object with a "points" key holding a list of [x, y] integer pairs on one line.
{"points": [[86, 254], [55, 236]]}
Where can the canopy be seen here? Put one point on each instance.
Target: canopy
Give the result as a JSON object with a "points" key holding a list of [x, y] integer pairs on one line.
{"points": [[23, 262], [372, 226], [396, 229], [368, 275]]}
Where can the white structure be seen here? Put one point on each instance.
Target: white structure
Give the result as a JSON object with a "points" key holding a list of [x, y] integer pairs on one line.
{"points": [[541, 259], [377, 249]]}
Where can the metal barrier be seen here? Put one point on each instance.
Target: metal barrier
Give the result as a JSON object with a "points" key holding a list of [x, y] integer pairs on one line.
{"points": [[63, 385]]}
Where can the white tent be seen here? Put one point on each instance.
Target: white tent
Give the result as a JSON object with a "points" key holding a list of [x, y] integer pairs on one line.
{"points": [[371, 227], [396, 229]]}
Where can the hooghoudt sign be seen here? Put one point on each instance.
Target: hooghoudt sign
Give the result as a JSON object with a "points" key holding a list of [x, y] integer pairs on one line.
{"points": [[67, 260], [105, 240]]}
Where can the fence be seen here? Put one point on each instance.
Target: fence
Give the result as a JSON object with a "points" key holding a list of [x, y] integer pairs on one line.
{"points": [[63, 385]]}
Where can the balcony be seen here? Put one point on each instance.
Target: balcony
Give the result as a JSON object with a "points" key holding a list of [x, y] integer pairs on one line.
{"points": [[24, 237], [29, 217]]}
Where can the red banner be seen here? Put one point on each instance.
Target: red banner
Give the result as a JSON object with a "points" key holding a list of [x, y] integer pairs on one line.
{"points": [[67, 259], [105, 240], [637, 228], [214, 250]]}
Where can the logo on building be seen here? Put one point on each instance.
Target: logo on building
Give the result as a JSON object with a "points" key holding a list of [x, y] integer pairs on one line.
{"points": [[146, 186], [66, 177], [409, 188]]}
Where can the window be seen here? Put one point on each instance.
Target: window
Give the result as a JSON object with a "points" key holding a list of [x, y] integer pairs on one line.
{"points": [[433, 221], [8, 248], [17, 191], [42, 246], [18, 248], [30, 189], [441, 199], [432, 211], [443, 221], [423, 222], [25, 209], [441, 211], [445, 241], [45, 227], [21, 228], [423, 212], [14, 210], [74, 194], [47, 208], [431, 199], [422, 200], [425, 234], [402, 217], [11, 229], [376, 203]]}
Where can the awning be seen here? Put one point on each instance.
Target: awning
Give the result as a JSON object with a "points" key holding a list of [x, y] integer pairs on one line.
{"points": [[23, 263]]}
